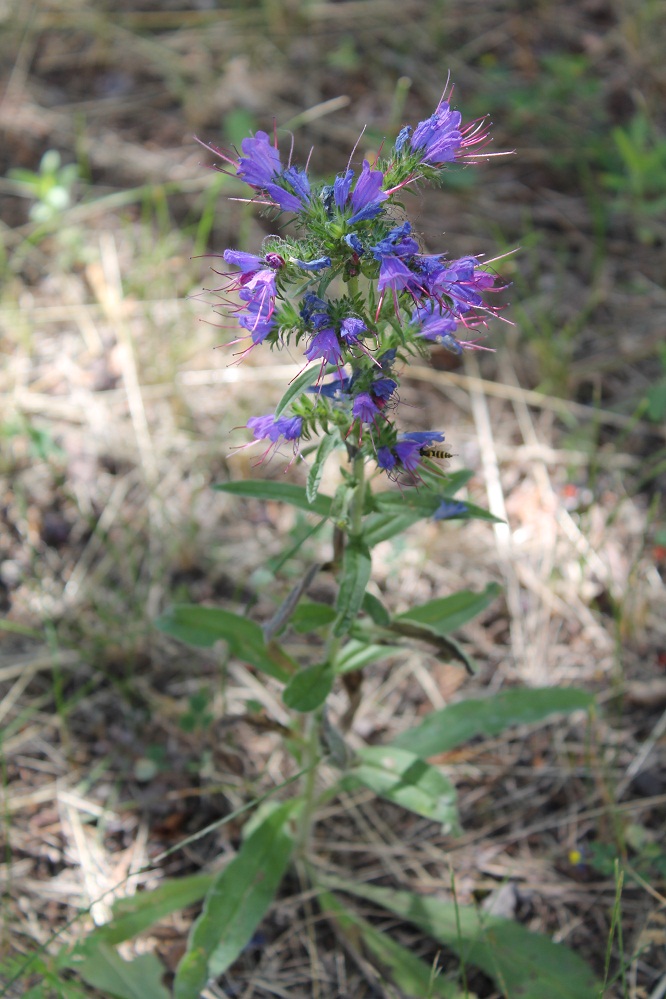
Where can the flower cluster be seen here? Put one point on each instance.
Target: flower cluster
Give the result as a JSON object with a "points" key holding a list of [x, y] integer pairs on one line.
{"points": [[355, 291]]}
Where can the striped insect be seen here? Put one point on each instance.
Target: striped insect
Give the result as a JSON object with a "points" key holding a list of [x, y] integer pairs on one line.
{"points": [[428, 451]]}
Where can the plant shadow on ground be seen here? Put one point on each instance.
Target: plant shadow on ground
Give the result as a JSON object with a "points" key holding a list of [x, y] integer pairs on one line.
{"points": [[118, 416]]}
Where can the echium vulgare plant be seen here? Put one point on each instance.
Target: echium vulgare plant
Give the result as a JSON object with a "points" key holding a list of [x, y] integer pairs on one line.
{"points": [[354, 292]]}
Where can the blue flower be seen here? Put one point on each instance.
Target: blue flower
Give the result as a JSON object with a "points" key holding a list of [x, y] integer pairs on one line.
{"points": [[450, 509], [312, 265]]}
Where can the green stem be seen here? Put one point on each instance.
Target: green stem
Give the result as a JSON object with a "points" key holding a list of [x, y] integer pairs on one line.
{"points": [[312, 752], [359, 496], [310, 761]]}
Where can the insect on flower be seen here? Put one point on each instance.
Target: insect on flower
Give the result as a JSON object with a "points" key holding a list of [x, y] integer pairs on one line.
{"points": [[427, 451]]}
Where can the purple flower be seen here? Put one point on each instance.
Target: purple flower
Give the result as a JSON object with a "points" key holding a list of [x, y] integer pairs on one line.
{"points": [[284, 199], [299, 182], [249, 263], [386, 459], [463, 281], [408, 454], [449, 509], [438, 138], [367, 196], [396, 275], [325, 344], [352, 329], [364, 409], [269, 428], [257, 320], [398, 243], [435, 322], [261, 162], [342, 187]]}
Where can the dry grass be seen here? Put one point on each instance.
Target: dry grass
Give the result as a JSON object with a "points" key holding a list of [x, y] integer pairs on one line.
{"points": [[118, 416]]}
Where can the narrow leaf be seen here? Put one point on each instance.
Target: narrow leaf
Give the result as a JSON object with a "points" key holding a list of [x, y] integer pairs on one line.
{"points": [[309, 688], [356, 654], [281, 492], [356, 567], [236, 903], [524, 965], [204, 626], [329, 443], [412, 975], [134, 914], [447, 648], [444, 615], [297, 387], [451, 726], [402, 777]]}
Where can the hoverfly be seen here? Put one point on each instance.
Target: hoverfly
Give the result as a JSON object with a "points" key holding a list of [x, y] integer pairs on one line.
{"points": [[428, 451]]}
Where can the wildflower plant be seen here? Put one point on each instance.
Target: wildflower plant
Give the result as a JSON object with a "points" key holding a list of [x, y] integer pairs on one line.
{"points": [[350, 289]]}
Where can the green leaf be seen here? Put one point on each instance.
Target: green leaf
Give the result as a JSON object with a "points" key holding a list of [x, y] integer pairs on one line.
{"points": [[524, 965], [309, 688], [444, 615], [356, 654], [329, 443], [105, 970], [281, 492], [451, 726], [354, 578], [412, 975], [310, 615], [237, 901], [297, 387], [378, 527], [402, 777], [136, 913], [375, 609], [204, 626]]}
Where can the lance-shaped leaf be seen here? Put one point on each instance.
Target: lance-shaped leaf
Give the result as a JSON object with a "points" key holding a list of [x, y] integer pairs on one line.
{"points": [[281, 492], [236, 903], [457, 723], [329, 443], [524, 965], [446, 647], [446, 614], [412, 975], [299, 385], [204, 626], [309, 688], [358, 653], [402, 777], [354, 578]]}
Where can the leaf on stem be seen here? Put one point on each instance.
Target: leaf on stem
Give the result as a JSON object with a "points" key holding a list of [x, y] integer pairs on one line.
{"points": [[446, 614], [524, 965], [281, 492], [329, 443], [204, 626], [402, 777], [457, 723], [236, 903], [309, 688], [354, 578], [412, 975]]}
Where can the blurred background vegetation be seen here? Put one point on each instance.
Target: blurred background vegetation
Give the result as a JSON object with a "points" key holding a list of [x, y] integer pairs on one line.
{"points": [[118, 414]]}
